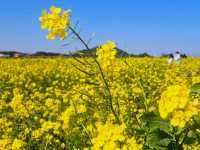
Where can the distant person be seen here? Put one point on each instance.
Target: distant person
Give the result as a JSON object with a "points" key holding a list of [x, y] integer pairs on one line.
{"points": [[177, 57], [170, 59]]}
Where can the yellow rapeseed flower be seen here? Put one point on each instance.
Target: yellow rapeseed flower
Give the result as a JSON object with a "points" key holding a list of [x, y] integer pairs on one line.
{"points": [[107, 139], [4, 143], [174, 97], [18, 144], [106, 54], [56, 22], [175, 105]]}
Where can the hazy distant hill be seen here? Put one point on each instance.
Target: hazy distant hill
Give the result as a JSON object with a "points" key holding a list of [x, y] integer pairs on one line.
{"points": [[41, 53], [11, 54], [92, 52], [78, 53]]}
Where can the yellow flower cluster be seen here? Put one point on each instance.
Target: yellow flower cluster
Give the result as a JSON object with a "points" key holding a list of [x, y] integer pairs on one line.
{"points": [[65, 117], [56, 22], [4, 143], [191, 147], [18, 145], [175, 105], [18, 106], [108, 140], [106, 54], [132, 144], [196, 80]]}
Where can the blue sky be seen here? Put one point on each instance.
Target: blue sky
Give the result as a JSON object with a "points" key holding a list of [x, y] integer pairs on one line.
{"points": [[153, 26]]}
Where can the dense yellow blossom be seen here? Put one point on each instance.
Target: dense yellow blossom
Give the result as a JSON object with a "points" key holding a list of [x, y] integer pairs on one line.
{"points": [[175, 97], [4, 143], [56, 22], [191, 147], [175, 104], [132, 144], [65, 117], [106, 54], [108, 140], [18, 144], [18, 106], [196, 79]]}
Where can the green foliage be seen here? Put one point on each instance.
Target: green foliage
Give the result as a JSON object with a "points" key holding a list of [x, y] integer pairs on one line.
{"points": [[195, 88], [159, 133]]}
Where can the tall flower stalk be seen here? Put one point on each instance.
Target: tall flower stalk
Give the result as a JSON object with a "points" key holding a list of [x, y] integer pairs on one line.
{"points": [[57, 22]]}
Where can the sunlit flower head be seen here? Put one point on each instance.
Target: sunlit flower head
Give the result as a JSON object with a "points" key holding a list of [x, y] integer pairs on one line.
{"points": [[56, 21]]}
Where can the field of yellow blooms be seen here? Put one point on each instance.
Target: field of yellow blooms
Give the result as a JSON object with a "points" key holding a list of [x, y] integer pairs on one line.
{"points": [[103, 104], [100, 103]]}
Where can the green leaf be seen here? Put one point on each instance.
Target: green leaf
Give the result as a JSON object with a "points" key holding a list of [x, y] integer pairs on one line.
{"points": [[155, 122], [197, 121], [160, 124], [195, 88], [190, 140], [148, 116], [159, 131], [159, 140], [141, 131]]}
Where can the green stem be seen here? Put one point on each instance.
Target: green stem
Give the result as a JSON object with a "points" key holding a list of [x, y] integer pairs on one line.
{"points": [[102, 75]]}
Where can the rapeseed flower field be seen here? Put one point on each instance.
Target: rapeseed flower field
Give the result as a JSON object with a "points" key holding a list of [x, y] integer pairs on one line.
{"points": [[47, 103], [98, 103]]}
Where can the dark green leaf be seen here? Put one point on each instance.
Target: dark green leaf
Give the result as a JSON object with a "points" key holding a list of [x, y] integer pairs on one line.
{"points": [[157, 123], [159, 140], [195, 88]]}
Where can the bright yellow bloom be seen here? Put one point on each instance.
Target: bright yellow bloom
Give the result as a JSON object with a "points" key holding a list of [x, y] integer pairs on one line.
{"points": [[180, 118], [106, 54], [132, 144], [175, 105], [4, 144], [36, 134], [191, 147], [65, 117], [175, 97], [195, 79], [18, 144], [81, 108], [56, 22], [18, 106], [137, 91], [107, 136]]}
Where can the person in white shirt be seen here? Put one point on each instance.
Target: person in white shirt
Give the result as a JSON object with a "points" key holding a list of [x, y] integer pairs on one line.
{"points": [[177, 57], [170, 59]]}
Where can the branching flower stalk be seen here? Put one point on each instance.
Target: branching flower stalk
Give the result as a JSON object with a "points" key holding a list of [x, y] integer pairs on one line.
{"points": [[102, 75], [57, 22]]}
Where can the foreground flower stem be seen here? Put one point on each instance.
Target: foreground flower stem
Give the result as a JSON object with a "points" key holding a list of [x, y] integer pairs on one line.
{"points": [[102, 75]]}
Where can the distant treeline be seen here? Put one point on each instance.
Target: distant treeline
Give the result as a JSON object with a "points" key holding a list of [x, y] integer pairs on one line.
{"points": [[79, 53]]}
